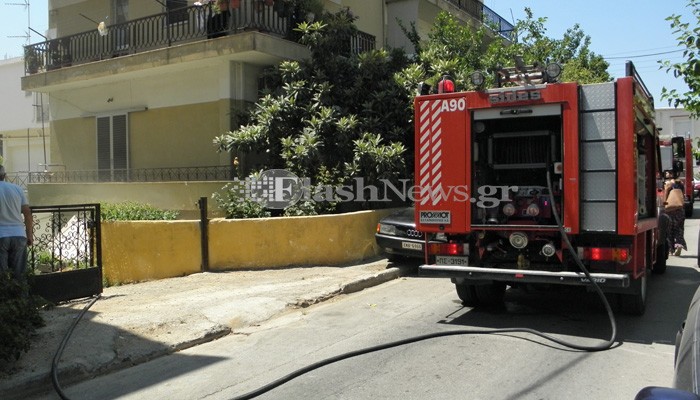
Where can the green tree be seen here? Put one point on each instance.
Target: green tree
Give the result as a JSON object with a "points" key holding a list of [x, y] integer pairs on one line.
{"points": [[457, 49], [573, 50], [333, 117], [688, 37], [340, 115]]}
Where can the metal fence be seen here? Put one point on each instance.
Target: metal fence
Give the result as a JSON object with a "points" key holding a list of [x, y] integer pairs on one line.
{"points": [[66, 257], [191, 174], [487, 16]]}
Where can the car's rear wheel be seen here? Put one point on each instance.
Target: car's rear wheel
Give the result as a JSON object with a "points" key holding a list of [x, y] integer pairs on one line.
{"points": [[467, 294], [393, 257]]}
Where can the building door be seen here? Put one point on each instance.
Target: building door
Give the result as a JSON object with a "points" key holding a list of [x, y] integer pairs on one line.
{"points": [[113, 148]]}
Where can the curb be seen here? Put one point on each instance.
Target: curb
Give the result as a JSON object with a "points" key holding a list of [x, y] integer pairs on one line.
{"points": [[72, 374], [378, 279]]}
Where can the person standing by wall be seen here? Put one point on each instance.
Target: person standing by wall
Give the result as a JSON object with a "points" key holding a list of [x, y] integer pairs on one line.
{"points": [[16, 226]]}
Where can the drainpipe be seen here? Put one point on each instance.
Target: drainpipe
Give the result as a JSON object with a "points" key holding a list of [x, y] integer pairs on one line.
{"points": [[204, 232]]}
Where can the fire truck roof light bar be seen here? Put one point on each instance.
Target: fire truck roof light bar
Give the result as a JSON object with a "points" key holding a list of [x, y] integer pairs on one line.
{"points": [[522, 75], [524, 276]]}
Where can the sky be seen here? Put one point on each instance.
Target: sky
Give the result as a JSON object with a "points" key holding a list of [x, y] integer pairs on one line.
{"points": [[15, 17], [620, 30]]}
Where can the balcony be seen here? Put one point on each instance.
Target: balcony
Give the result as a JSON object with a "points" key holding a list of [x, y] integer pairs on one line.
{"points": [[487, 16], [187, 24]]}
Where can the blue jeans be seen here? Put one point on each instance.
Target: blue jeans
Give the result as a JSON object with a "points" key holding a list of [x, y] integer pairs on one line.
{"points": [[13, 256]]}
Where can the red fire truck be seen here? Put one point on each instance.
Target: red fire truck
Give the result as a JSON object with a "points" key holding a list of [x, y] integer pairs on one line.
{"points": [[527, 183], [677, 158]]}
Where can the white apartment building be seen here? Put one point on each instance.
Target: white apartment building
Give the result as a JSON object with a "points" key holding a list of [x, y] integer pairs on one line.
{"points": [[24, 126]]}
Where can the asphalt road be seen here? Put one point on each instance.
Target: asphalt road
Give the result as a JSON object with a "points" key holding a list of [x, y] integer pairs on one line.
{"points": [[493, 366]]}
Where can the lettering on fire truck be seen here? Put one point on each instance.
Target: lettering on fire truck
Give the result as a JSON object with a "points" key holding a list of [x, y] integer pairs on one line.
{"points": [[453, 105], [435, 217], [514, 95]]}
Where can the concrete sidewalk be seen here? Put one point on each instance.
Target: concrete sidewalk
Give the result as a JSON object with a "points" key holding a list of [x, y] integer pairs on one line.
{"points": [[135, 323]]}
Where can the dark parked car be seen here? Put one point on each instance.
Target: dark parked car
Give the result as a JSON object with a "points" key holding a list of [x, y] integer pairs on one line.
{"points": [[686, 380], [398, 237]]}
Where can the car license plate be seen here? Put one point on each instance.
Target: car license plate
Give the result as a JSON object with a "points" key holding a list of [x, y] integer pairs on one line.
{"points": [[445, 260], [412, 246]]}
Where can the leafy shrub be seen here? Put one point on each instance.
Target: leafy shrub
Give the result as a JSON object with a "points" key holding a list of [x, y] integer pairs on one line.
{"points": [[237, 206], [301, 208], [19, 315], [133, 211]]}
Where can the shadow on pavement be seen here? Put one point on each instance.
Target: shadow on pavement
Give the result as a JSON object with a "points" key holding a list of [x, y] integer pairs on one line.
{"points": [[574, 311], [94, 348]]}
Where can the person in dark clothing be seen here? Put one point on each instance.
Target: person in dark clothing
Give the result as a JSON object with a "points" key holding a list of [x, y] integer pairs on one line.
{"points": [[218, 21]]}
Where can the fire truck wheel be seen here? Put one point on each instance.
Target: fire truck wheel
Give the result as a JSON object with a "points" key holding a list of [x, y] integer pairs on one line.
{"points": [[467, 294], [635, 303], [661, 257], [491, 294]]}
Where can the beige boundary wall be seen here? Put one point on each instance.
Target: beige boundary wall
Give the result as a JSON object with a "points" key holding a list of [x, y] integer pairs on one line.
{"points": [[177, 196], [145, 250]]}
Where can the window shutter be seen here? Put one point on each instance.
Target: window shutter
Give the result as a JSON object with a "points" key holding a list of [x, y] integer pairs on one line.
{"points": [[104, 145], [113, 148], [119, 142]]}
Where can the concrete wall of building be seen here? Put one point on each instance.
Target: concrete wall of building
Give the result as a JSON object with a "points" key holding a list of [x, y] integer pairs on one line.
{"points": [[74, 144], [677, 122], [25, 139], [26, 150], [180, 136], [405, 11], [173, 118], [65, 15], [370, 16], [145, 250]]}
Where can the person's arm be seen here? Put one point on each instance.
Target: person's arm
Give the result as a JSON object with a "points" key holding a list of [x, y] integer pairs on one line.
{"points": [[28, 224]]}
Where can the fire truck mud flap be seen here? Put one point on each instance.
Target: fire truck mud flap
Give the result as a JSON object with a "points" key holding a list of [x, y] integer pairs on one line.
{"points": [[523, 276]]}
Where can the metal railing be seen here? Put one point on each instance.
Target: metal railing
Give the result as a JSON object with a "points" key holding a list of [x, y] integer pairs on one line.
{"points": [[163, 30], [189, 174], [66, 256], [487, 16]]}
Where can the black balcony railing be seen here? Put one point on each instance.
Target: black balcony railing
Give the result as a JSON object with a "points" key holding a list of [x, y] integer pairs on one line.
{"points": [[187, 174], [163, 30], [487, 16]]}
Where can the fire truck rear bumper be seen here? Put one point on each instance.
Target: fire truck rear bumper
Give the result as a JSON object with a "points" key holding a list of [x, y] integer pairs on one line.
{"points": [[524, 276]]}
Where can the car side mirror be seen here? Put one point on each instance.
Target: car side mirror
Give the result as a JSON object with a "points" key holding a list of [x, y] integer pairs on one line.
{"points": [[662, 393]]}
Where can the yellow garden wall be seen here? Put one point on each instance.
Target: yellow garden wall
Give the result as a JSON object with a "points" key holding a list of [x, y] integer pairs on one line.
{"points": [[144, 250]]}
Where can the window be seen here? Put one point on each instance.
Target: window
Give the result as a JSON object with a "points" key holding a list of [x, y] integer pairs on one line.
{"points": [[176, 11], [112, 148]]}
